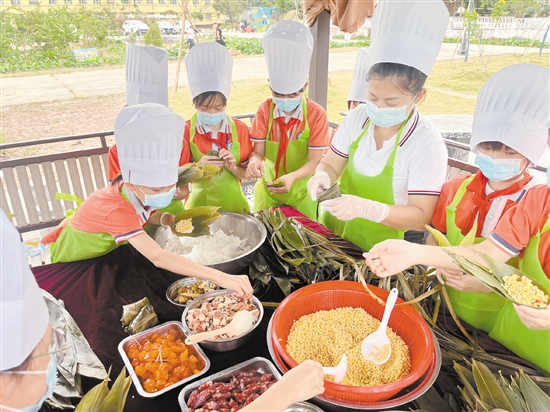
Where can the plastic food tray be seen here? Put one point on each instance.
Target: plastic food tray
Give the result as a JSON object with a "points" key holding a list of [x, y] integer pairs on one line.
{"points": [[160, 329], [414, 391]]}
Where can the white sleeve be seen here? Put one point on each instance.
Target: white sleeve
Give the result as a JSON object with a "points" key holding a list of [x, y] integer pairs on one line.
{"points": [[349, 130], [428, 167]]}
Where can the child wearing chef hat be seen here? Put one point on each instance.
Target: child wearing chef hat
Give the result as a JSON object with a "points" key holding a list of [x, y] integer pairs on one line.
{"points": [[391, 161], [148, 138], [28, 345], [524, 230], [359, 84], [147, 82], [212, 136], [289, 131], [506, 144]]}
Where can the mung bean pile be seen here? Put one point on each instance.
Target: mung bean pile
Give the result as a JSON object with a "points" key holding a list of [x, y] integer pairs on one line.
{"points": [[324, 336]]}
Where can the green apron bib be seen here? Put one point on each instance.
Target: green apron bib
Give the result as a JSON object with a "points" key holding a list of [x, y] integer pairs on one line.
{"points": [[296, 156], [223, 190], [478, 309], [362, 232], [509, 330], [72, 245]]}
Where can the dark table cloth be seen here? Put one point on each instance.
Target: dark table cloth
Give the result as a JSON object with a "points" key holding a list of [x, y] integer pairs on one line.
{"points": [[94, 291]]}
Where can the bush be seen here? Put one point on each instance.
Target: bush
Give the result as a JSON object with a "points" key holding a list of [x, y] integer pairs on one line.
{"points": [[153, 37], [245, 46]]}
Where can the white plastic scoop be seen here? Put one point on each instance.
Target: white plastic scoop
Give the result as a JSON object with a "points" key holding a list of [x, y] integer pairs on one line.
{"points": [[376, 347], [338, 371], [241, 323]]}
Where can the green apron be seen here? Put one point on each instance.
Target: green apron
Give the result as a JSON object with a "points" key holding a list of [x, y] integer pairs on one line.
{"points": [[478, 309], [362, 232], [509, 330], [223, 190], [72, 245], [296, 156]]}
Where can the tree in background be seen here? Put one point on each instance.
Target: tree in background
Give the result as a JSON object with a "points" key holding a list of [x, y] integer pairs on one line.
{"points": [[514, 8], [230, 8], [197, 16], [153, 37]]}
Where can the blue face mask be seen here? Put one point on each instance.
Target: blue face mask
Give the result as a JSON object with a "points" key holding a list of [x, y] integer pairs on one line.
{"points": [[287, 104], [51, 375], [548, 175], [386, 116], [211, 119], [498, 170], [159, 200]]}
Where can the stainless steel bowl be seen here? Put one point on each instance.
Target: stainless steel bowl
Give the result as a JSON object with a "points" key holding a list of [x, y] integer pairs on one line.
{"points": [[172, 290], [238, 224], [220, 345]]}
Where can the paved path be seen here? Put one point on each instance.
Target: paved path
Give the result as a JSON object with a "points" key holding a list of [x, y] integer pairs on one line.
{"points": [[101, 82]]}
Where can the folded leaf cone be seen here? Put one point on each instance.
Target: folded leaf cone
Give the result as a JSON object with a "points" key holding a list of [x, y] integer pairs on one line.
{"points": [[201, 218]]}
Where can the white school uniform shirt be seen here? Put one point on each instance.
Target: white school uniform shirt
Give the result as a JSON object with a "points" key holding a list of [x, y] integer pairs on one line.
{"points": [[420, 163]]}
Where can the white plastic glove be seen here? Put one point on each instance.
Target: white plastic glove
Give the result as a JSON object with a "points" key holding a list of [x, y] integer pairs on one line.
{"points": [[318, 183], [349, 207]]}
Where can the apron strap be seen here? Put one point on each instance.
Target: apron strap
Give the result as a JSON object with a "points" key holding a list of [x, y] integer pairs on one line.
{"points": [[71, 198]]}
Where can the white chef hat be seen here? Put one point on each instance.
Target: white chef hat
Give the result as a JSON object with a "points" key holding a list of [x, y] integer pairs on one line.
{"points": [[146, 75], [359, 83], [408, 32], [209, 69], [148, 138], [288, 46], [24, 315], [513, 107]]}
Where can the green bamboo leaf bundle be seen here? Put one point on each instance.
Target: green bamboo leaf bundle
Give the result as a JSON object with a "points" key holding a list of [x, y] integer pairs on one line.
{"points": [[490, 391], [138, 316], [191, 172], [495, 276], [101, 399], [195, 222]]}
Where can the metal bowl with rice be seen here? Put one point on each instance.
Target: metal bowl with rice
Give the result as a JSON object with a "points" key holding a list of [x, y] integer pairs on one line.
{"points": [[247, 228]]}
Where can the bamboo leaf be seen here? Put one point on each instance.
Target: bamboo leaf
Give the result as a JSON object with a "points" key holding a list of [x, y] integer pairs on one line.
{"points": [[518, 404], [92, 400], [535, 398], [488, 387], [432, 402], [438, 236], [467, 378], [116, 398], [483, 406]]}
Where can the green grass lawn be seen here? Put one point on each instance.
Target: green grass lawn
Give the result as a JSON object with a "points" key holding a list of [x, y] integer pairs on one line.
{"points": [[452, 88]]}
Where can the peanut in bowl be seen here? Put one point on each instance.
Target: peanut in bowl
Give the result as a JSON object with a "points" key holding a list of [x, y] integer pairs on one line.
{"points": [[184, 290]]}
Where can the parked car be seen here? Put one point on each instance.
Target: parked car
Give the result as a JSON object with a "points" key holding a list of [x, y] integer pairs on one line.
{"points": [[165, 27], [177, 27], [134, 26]]}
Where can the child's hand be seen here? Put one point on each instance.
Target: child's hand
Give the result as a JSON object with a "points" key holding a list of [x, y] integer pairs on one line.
{"points": [[255, 168], [229, 161], [304, 381], [182, 192], [288, 180], [210, 160]]}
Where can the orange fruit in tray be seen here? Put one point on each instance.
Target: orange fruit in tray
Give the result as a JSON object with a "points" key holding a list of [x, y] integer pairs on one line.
{"points": [[160, 361]]}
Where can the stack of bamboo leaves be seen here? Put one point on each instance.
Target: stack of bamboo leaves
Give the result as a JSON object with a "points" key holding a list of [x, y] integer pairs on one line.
{"points": [[295, 254], [101, 399]]}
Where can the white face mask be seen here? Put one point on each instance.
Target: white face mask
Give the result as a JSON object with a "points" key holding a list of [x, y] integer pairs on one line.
{"points": [[51, 375], [387, 116]]}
